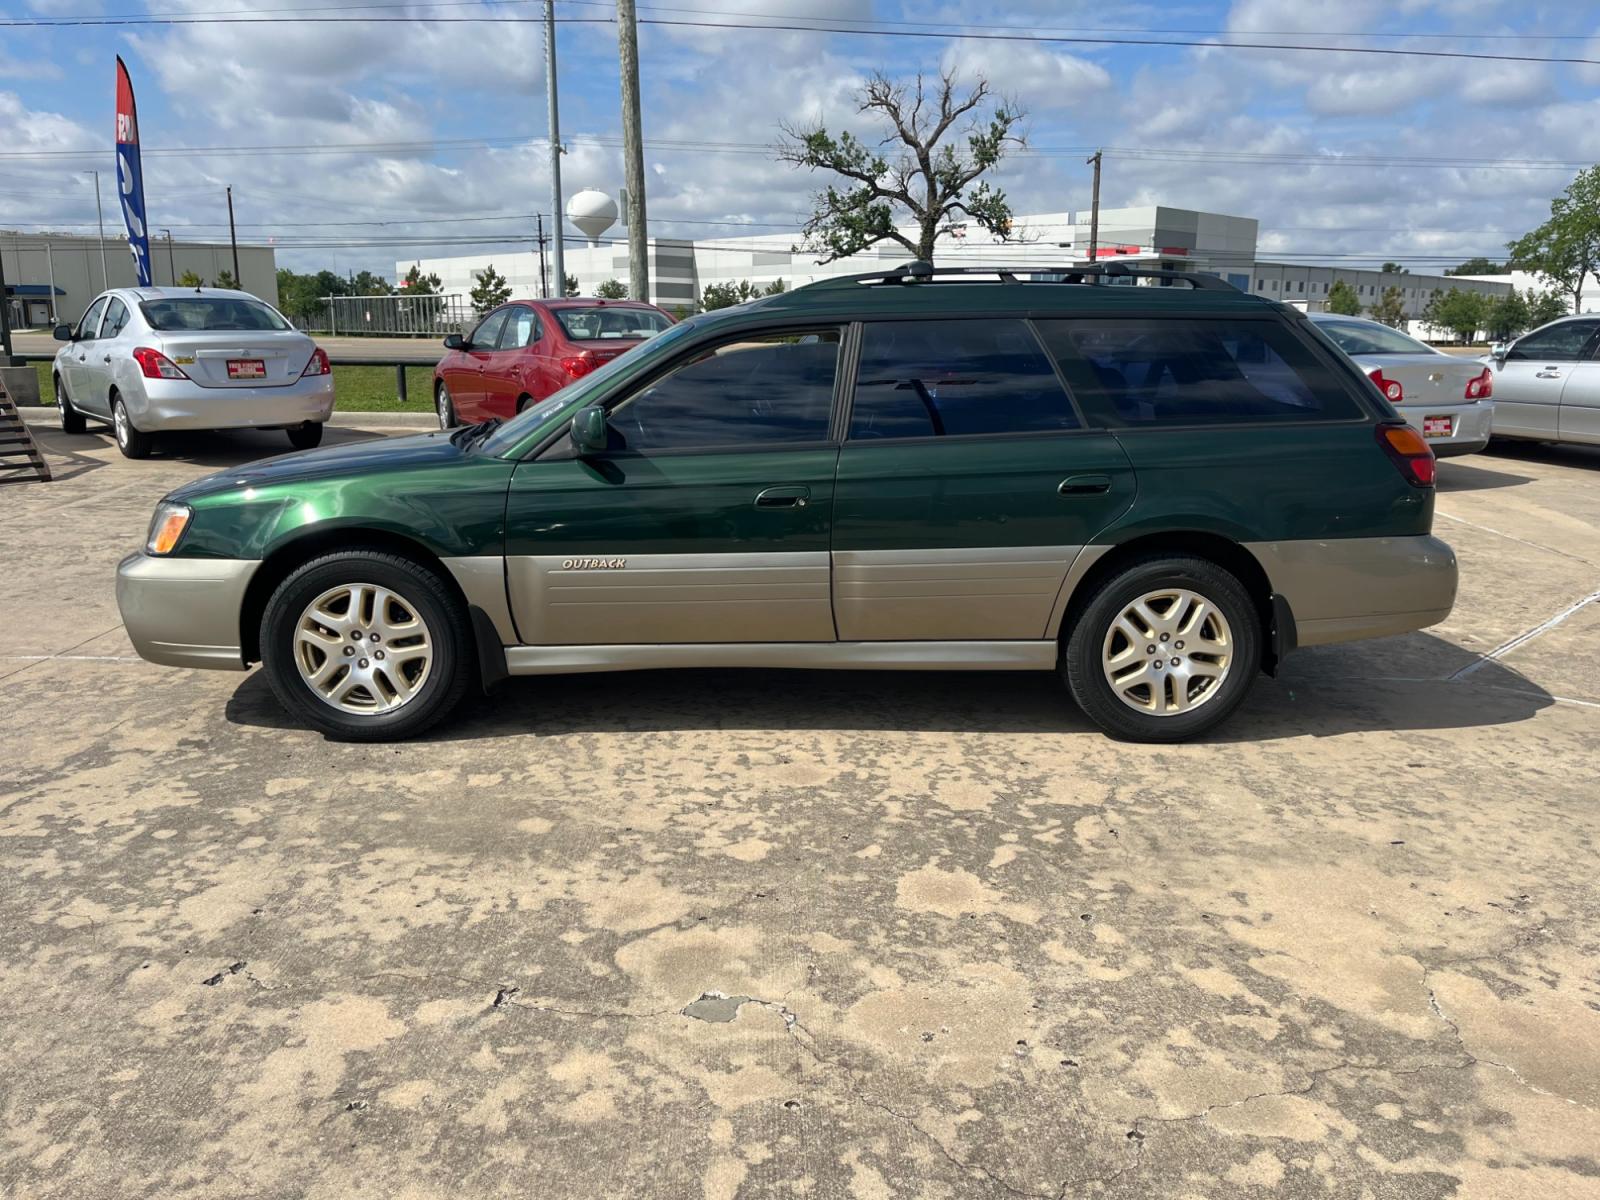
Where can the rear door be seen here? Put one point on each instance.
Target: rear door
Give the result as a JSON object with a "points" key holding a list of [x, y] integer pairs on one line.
{"points": [[967, 485], [1579, 420], [706, 521], [1528, 384], [509, 375]]}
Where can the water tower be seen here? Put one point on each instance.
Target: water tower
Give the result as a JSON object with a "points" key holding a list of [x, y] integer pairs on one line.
{"points": [[592, 212]]}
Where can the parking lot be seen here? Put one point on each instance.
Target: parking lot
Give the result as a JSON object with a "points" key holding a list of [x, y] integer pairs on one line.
{"points": [[720, 934]]}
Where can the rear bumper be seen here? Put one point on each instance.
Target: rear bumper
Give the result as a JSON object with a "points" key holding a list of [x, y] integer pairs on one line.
{"points": [[1470, 425], [1344, 589], [184, 612], [180, 404]]}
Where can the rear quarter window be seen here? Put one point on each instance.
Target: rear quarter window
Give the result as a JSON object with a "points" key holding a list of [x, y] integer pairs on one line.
{"points": [[1138, 372]]}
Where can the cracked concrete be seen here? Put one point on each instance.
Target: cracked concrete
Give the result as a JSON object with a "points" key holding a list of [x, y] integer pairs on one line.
{"points": [[725, 935]]}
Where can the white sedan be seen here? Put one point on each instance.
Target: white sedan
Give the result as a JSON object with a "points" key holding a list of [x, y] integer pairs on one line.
{"points": [[153, 359]]}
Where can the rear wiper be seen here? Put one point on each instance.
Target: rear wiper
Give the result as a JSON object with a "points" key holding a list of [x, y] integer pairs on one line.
{"points": [[469, 434]]}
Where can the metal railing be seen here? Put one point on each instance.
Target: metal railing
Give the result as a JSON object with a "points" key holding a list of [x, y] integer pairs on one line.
{"points": [[391, 316]]}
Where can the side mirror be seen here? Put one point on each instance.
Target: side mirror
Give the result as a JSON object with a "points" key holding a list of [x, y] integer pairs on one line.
{"points": [[1499, 350], [590, 433], [454, 341], [63, 333]]}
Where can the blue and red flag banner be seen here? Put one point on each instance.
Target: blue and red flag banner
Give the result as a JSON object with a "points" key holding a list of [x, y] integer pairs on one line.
{"points": [[130, 175]]}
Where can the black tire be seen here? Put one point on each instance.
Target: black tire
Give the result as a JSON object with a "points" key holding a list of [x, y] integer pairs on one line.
{"points": [[1082, 659], [72, 421], [419, 590], [522, 403], [443, 406], [130, 441], [307, 436]]}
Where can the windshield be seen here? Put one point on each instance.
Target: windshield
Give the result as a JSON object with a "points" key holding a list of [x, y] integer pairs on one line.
{"points": [[605, 323], [200, 313], [529, 419], [1357, 337]]}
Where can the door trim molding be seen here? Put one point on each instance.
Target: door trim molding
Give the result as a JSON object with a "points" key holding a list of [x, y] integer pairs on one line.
{"points": [[846, 656]]}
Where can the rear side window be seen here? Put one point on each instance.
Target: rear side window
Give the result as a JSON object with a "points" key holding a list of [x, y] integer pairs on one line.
{"points": [[521, 329], [921, 379], [1136, 372], [116, 318]]}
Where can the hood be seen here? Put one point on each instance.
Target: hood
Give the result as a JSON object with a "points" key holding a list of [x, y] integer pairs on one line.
{"points": [[352, 461]]}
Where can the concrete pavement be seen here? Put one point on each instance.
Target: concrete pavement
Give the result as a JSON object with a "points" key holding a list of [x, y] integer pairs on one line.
{"points": [[723, 935]]}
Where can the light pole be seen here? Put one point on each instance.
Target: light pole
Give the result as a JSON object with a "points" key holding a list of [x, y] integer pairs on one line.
{"points": [[172, 266], [100, 219], [557, 261]]}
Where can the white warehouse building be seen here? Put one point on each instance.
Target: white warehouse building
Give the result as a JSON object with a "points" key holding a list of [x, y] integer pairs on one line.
{"points": [[1175, 238]]}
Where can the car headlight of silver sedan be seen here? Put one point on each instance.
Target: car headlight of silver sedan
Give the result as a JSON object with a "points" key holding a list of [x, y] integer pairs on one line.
{"points": [[167, 526]]}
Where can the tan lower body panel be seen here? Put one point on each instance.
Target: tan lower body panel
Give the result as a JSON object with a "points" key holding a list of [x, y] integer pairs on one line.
{"points": [[932, 595], [648, 599], [846, 656]]}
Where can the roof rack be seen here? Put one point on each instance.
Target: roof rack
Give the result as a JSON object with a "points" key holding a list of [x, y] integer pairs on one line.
{"points": [[918, 271]]}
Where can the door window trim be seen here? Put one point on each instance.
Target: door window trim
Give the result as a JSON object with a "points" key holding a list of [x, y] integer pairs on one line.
{"points": [[105, 318], [101, 302]]}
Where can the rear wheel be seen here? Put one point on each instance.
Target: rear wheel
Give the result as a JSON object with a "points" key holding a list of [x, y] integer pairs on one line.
{"points": [[366, 646], [444, 406], [71, 419], [1164, 650], [304, 437], [130, 441]]}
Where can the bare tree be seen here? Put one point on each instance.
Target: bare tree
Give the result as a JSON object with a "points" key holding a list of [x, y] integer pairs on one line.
{"points": [[911, 172]]}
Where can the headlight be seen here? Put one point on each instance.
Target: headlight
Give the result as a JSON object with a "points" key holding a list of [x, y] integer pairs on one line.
{"points": [[167, 526]]}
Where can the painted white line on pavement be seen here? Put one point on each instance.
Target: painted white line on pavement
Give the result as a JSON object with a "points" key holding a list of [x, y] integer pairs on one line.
{"points": [[1526, 636], [1511, 537]]}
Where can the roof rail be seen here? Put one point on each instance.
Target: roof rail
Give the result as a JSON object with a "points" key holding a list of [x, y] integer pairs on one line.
{"points": [[918, 271]]}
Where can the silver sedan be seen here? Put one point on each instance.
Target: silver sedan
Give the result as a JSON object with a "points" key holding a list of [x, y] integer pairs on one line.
{"points": [[154, 359], [1444, 397], [1548, 382]]}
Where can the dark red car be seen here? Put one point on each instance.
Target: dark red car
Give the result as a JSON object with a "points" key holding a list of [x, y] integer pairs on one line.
{"points": [[527, 349]]}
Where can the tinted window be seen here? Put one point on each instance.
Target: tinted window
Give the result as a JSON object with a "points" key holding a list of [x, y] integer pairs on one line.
{"points": [[954, 378], [487, 335], [1185, 372], [91, 320], [210, 312], [1555, 343], [520, 330], [771, 388], [602, 324], [116, 318]]}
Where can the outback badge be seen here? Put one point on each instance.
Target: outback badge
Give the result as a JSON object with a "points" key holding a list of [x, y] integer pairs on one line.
{"points": [[593, 564]]}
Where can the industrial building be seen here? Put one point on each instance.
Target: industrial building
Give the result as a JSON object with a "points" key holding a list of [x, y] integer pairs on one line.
{"points": [[1155, 235], [52, 278]]}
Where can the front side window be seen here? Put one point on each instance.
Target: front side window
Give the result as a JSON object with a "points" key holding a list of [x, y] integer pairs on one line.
{"points": [[521, 329], [487, 335], [1134, 372], [921, 379], [187, 314], [764, 388], [1555, 343], [90, 325], [116, 318]]}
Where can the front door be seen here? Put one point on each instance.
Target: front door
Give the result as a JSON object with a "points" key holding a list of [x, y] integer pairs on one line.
{"points": [[75, 363], [967, 485], [708, 520], [1529, 382], [464, 376]]}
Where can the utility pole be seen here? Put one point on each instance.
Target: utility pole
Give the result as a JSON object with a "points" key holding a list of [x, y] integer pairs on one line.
{"points": [[172, 264], [1094, 209], [50, 265], [557, 261], [100, 218], [633, 151], [5, 313], [544, 278], [233, 238]]}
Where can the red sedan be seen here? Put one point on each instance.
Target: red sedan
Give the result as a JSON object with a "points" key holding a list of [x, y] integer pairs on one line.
{"points": [[525, 350]]}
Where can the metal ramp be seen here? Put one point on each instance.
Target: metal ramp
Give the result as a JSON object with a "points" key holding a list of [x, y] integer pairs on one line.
{"points": [[20, 460]]}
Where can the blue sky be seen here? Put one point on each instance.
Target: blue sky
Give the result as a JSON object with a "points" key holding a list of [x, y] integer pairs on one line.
{"points": [[450, 118]]}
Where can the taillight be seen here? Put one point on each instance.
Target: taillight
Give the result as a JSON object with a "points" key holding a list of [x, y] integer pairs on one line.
{"points": [[1391, 389], [318, 364], [156, 365], [1410, 452], [578, 365], [1482, 387]]}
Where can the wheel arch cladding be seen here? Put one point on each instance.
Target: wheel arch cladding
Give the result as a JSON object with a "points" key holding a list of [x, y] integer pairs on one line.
{"points": [[285, 559], [1213, 547]]}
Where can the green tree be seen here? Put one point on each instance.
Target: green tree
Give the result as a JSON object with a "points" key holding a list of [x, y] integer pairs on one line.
{"points": [[726, 295], [776, 288], [612, 289], [368, 284], [1393, 268], [1342, 299], [1546, 306], [491, 290], [569, 285], [1566, 248], [1479, 266], [1508, 316], [190, 279], [298, 296], [1462, 313], [932, 183], [226, 280], [414, 284], [1390, 308]]}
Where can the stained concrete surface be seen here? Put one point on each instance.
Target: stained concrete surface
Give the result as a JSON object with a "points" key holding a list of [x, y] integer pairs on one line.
{"points": [[710, 934]]}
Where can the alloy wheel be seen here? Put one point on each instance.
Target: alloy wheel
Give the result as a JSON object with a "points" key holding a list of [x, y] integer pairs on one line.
{"points": [[1168, 652], [363, 649]]}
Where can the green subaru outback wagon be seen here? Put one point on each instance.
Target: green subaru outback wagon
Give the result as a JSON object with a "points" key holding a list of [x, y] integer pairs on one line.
{"points": [[1157, 490]]}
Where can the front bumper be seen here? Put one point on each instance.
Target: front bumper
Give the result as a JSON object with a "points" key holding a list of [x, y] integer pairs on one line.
{"points": [[181, 404], [184, 612]]}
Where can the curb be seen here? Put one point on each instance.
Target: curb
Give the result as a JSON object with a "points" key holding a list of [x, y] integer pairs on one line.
{"points": [[48, 415]]}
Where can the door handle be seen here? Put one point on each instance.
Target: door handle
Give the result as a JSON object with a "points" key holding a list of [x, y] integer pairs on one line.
{"points": [[1548, 373], [783, 497], [1085, 485], [107, 358]]}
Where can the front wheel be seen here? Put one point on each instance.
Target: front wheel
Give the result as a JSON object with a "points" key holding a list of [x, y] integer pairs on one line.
{"points": [[1163, 650], [130, 441], [71, 419], [366, 646], [304, 437], [444, 407]]}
